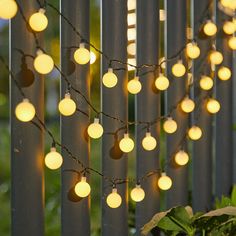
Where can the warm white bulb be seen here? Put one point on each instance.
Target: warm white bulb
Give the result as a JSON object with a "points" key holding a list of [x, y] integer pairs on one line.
{"points": [[67, 106], [95, 130], [137, 194], [82, 188], [224, 73], [162, 83], [213, 106], [126, 144], [114, 200], [82, 55], [225, 3], [181, 158], [216, 57], [178, 69], [232, 43], [170, 125], [209, 28], [149, 143], [195, 133], [193, 51], [187, 105], [38, 21], [206, 82], [229, 27], [25, 111], [109, 79], [53, 160], [8, 9], [134, 86], [164, 182], [43, 63], [93, 58]]}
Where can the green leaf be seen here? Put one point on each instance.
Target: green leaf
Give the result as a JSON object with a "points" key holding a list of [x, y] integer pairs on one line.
{"points": [[229, 210], [233, 196]]}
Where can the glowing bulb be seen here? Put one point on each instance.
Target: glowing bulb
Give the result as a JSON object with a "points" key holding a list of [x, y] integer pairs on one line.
{"points": [[82, 55], [82, 188], [137, 194], [225, 3], [229, 27], [195, 133], [8, 9], [149, 143], [187, 105], [114, 200], [134, 86], [216, 57], [178, 69], [209, 28], [232, 5], [193, 51], [109, 79], [93, 58], [126, 144], [181, 158], [224, 73], [25, 111], [162, 83], [43, 63], [206, 82], [67, 106], [170, 125], [53, 160], [95, 130], [38, 21], [164, 182], [213, 106], [232, 43]]}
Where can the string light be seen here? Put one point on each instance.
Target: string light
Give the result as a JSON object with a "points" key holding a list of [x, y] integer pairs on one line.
{"points": [[178, 69], [82, 55], [149, 143], [126, 144], [82, 188], [114, 200], [213, 106], [164, 182], [181, 158], [25, 111], [195, 133], [232, 43], [170, 125], [95, 130], [8, 9], [134, 86], [206, 82], [193, 51], [53, 160], [38, 21], [216, 57], [225, 3], [224, 73], [93, 57], [229, 27], [162, 83], [67, 106], [209, 28], [109, 79], [43, 63], [187, 105], [137, 194]]}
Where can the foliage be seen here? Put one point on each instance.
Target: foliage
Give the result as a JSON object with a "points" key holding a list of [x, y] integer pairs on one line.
{"points": [[227, 201]]}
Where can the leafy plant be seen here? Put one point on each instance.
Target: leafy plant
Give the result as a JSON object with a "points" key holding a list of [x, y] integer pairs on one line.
{"points": [[226, 201]]}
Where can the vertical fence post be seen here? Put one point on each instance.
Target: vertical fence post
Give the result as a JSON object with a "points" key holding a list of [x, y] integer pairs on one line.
{"points": [[147, 106], [27, 151], [75, 212], [114, 102], [175, 40], [202, 148]]}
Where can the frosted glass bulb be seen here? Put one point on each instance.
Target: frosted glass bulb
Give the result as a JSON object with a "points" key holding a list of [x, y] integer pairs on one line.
{"points": [[206, 82], [224, 73], [67, 106], [213, 106], [232, 43], [232, 5], [25, 111], [43, 63], [216, 57], [229, 27], [82, 55], [193, 51], [53, 160], [149, 143], [181, 158], [178, 69], [209, 28], [38, 21], [164, 182], [187, 105], [195, 133], [126, 144], [170, 126], [95, 130], [8, 9], [162, 83], [225, 3], [134, 86], [109, 79], [93, 58], [137, 194], [114, 200], [82, 188]]}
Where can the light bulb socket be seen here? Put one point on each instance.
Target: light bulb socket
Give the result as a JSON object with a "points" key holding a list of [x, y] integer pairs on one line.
{"points": [[96, 120], [110, 70], [82, 45], [67, 95], [126, 135], [136, 78], [42, 10], [25, 100], [180, 61], [53, 149], [148, 134], [163, 174], [169, 118], [83, 179], [114, 190], [39, 52], [138, 185]]}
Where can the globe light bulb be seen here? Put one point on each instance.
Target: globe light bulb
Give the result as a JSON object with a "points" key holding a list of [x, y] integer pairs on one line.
{"points": [[67, 106], [53, 160], [178, 69], [126, 144], [224, 73], [232, 43], [187, 105], [206, 82], [162, 83], [38, 21], [149, 143], [137, 194], [193, 51], [82, 55], [43, 63], [109, 79], [170, 125], [209, 28], [225, 3], [232, 5], [164, 182], [195, 133], [95, 130], [114, 200], [216, 57], [8, 9], [181, 158], [82, 188], [134, 86], [213, 106], [93, 58], [229, 27], [25, 111]]}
